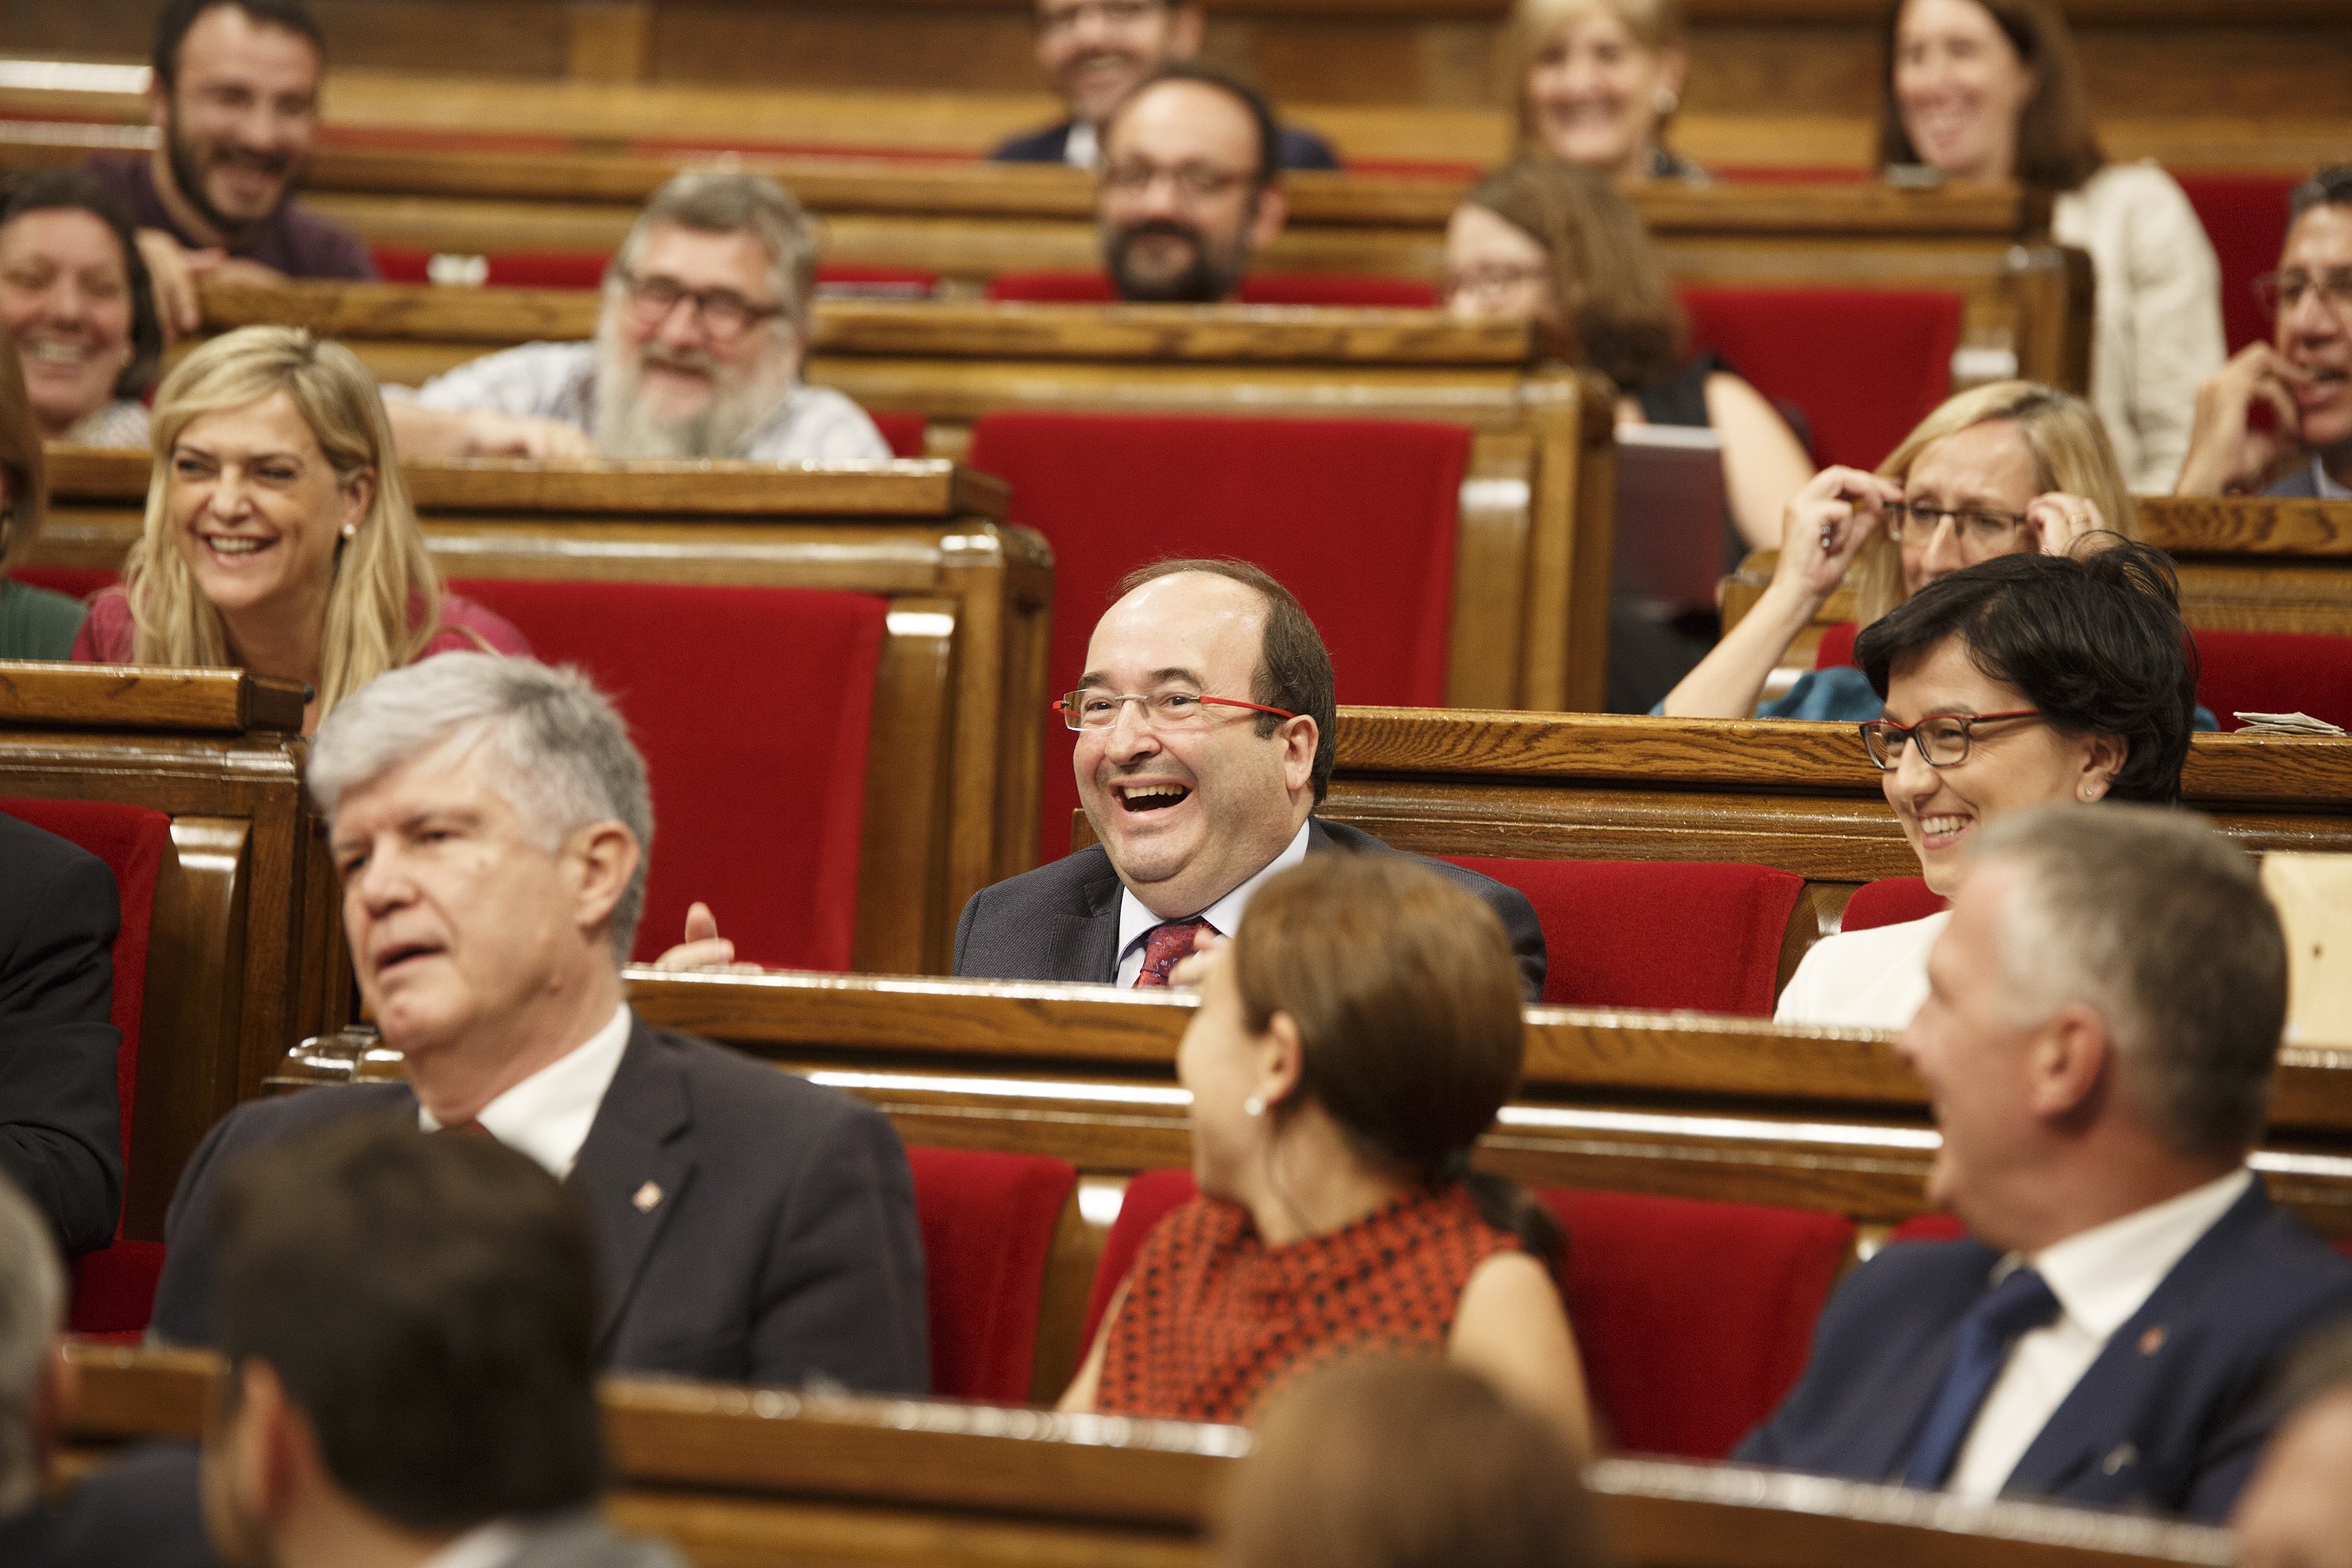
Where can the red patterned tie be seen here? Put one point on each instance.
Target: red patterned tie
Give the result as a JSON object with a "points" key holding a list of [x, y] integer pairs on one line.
{"points": [[1165, 948], [469, 1129]]}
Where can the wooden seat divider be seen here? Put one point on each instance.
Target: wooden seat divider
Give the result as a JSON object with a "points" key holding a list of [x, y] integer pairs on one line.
{"points": [[243, 954], [1532, 578], [952, 792]]}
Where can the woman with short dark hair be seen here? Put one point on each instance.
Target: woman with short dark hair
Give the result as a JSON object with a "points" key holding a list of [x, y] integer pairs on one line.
{"points": [[1354, 1039], [2023, 681], [74, 298]]}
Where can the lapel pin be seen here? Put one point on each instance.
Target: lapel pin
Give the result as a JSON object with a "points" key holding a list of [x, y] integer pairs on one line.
{"points": [[2124, 1454], [2152, 1340], [646, 1197]]}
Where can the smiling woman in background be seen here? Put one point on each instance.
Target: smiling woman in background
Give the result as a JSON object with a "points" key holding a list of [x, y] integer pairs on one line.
{"points": [[278, 534], [74, 299], [1989, 89], [1596, 81]]}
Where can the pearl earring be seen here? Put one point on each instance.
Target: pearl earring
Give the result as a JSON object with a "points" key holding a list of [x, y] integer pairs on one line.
{"points": [[350, 531], [1666, 102], [1253, 1106]]}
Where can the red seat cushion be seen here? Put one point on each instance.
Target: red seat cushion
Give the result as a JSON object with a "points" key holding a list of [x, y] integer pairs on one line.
{"points": [[987, 1230], [905, 432], [1357, 517], [2245, 216], [74, 581], [585, 269], [1837, 646], [1258, 289], [1891, 901], [1694, 1318], [1150, 1195], [1863, 364], [1633, 933], [752, 708], [2275, 672]]}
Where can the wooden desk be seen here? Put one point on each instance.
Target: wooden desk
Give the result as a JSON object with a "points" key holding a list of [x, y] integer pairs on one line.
{"points": [[960, 699], [1532, 578], [244, 959]]}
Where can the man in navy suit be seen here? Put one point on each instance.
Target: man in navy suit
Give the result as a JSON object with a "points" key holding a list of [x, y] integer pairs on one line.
{"points": [[2304, 376], [1094, 51], [2103, 1016], [489, 817], [1207, 723]]}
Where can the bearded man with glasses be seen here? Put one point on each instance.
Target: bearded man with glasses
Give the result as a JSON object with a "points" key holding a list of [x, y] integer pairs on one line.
{"points": [[698, 351], [2302, 377]]}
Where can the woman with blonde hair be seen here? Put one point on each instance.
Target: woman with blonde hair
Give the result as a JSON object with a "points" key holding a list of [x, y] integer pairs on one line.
{"points": [[34, 622], [1354, 1039], [278, 534], [1595, 82], [2001, 470]]}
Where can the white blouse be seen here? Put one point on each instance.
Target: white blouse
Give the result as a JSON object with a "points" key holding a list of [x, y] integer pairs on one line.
{"points": [[1871, 979]]}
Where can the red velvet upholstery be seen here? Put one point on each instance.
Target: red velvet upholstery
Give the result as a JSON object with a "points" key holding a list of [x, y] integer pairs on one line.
{"points": [[1356, 516], [1891, 901], [753, 707], [905, 432], [2275, 672], [585, 269], [1694, 1318], [2245, 216], [988, 1229], [114, 1287], [1258, 289], [1837, 646], [1864, 364], [1635, 933], [74, 581]]}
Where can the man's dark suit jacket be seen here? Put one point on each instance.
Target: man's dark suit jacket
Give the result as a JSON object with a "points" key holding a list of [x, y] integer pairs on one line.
{"points": [[2171, 1417], [2302, 484], [782, 1244], [1060, 922], [60, 1115], [1295, 149]]}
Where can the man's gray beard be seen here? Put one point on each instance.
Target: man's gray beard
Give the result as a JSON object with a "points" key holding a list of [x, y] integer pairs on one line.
{"points": [[623, 428]]}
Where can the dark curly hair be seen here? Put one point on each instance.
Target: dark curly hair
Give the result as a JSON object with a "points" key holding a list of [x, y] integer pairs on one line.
{"points": [[47, 190], [2093, 639]]}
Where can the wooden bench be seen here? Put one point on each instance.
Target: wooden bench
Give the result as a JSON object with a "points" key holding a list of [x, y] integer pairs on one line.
{"points": [[959, 697], [738, 1477], [244, 956]]}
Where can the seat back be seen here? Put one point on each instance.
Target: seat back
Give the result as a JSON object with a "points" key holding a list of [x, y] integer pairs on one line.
{"points": [[1863, 364], [74, 581], [1149, 1197], [988, 1231], [1356, 517], [1637, 933], [2275, 672], [1258, 289], [1891, 901], [1694, 1318], [2245, 216], [753, 707]]}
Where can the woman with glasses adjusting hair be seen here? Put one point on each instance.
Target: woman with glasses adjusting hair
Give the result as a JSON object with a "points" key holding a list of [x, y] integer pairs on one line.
{"points": [[2023, 680]]}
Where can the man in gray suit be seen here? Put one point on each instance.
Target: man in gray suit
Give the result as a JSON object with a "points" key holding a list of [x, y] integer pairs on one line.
{"points": [[2303, 378], [1207, 722], [489, 817], [412, 1366]]}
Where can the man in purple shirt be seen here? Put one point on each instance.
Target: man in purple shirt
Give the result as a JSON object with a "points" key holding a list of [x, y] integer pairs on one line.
{"points": [[235, 102]]}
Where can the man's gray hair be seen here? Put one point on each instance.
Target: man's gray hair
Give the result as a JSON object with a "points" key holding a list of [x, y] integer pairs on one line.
{"points": [[2159, 924], [32, 1309], [731, 201], [560, 753]]}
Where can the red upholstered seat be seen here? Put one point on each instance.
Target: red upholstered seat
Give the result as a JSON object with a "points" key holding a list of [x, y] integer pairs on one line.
{"points": [[585, 269], [1258, 289], [1356, 516], [2245, 216], [905, 432], [988, 1229], [1634, 933], [1837, 646], [2275, 672], [1891, 901], [752, 708], [114, 1287], [74, 581], [1694, 1318], [1864, 364]]}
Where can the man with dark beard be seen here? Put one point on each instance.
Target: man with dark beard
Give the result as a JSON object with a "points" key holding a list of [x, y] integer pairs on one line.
{"points": [[1188, 188], [698, 351], [235, 102]]}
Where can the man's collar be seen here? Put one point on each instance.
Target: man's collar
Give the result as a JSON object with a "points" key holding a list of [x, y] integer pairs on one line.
{"points": [[2323, 482], [2104, 1275], [547, 1115], [484, 1546], [1224, 916], [1083, 147]]}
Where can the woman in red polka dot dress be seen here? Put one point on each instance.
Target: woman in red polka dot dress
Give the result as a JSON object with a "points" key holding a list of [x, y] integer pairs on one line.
{"points": [[1354, 1039]]}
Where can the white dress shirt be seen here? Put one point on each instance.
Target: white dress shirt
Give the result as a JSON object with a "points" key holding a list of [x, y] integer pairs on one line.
{"points": [[484, 1546], [2101, 1278], [1873, 979], [2325, 483], [547, 1115], [1225, 917], [1082, 148]]}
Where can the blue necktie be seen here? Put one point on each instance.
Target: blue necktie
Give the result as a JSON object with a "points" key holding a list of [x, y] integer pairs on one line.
{"points": [[2019, 1302]]}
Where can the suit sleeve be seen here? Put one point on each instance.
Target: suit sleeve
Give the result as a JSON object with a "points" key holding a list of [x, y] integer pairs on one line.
{"points": [[1525, 932], [843, 1295], [963, 930], [61, 1111], [183, 1314]]}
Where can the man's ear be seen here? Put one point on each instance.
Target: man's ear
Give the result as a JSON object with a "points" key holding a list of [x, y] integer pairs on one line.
{"points": [[1184, 22], [1267, 217], [2072, 1064], [1300, 737], [1281, 1055], [1673, 70], [159, 103], [604, 856]]}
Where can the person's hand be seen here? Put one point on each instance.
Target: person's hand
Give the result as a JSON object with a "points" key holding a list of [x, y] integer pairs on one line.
{"points": [[2058, 521], [239, 269], [704, 950], [2226, 453], [493, 435], [1825, 525], [172, 270], [1194, 966]]}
